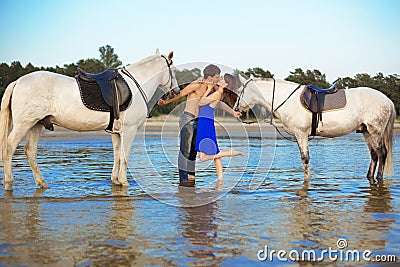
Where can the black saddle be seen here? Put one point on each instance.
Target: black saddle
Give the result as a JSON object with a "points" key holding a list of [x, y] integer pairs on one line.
{"points": [[106, 91], [314, 99]]}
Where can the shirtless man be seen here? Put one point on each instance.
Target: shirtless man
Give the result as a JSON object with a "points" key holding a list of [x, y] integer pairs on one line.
{"points": [[188, 122]]}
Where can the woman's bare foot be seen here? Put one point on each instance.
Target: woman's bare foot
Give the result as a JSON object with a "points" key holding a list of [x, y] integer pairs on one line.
{"points": [[234, 152], [219, 184]]}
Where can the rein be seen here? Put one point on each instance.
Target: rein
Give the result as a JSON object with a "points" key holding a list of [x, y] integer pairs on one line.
{"points": [[127, 73], [236, 106]]}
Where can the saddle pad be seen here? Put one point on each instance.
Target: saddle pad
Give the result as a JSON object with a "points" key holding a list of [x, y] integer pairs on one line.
{"points": [[332, 101], [92, 97]]}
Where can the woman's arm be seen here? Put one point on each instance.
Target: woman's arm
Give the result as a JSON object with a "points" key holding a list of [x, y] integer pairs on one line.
{"points": [[208, 98], [214, 97], [223, 106]]}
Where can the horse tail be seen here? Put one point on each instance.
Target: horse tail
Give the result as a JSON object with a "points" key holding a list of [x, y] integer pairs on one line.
{"points": [[388, 140], [5, 117]]}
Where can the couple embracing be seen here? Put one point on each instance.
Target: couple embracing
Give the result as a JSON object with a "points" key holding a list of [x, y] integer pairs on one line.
{"points": [[197, 130]]}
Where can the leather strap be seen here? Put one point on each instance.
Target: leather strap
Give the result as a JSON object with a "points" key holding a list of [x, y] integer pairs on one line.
{"points": [[127, 73]]}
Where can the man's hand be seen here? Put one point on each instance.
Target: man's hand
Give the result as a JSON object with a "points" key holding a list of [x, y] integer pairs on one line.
{"points": [[161, 102], [206, 81]]}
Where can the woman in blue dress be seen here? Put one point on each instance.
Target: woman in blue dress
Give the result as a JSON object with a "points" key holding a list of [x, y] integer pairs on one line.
{"points": [[206, 141]]}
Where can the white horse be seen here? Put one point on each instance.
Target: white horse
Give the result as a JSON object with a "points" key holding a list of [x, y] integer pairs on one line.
{"points": [[56, 97], [367, 110]]}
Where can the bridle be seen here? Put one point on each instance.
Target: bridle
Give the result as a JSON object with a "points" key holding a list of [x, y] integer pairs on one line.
{"points": [[271, 122], [170, 79], [170, 73], [236, 106]]}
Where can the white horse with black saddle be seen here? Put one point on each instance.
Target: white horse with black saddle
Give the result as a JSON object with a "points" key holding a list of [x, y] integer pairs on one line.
{"points": [[41, 99], [367, 110]]}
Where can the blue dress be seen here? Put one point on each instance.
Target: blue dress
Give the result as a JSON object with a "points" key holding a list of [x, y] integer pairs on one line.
{"points": [[206, 140]]}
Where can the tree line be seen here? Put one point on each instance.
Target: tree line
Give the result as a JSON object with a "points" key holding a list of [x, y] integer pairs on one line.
{"points": [[389, 85]]}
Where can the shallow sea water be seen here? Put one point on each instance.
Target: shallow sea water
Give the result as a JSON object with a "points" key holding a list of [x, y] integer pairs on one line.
{"points": [[84, 220]]}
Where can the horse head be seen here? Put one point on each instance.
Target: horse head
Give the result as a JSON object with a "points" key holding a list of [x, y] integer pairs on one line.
{"points": [[246, 94], [168, 81]]}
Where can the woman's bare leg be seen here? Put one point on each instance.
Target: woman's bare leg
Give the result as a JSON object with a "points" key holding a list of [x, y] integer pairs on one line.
{"points": [[230, 153], [219, 168], [219, 184]]}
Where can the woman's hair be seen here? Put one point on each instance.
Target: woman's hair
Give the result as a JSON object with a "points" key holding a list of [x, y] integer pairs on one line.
{"points": [[211, 70], [230, 92]]}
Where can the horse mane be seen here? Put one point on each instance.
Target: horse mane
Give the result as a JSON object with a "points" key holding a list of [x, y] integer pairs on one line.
{"points": [[145, 60], [263, 79], [272, 79]]}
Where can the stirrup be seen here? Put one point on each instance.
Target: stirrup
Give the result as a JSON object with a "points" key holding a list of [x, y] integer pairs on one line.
{"points": [[117, 127], [113, 132]]}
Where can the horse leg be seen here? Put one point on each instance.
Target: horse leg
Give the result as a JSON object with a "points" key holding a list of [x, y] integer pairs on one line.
{"points": [[116, 141], [302, 142], [14, 139], [382, 154], [377, 144], [374, 158], [127, 140], [32, 139]]}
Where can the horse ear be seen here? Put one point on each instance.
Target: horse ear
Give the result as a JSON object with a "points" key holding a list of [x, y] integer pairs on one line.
{"points": [[171, 54], [242, 79], [157, 52]]}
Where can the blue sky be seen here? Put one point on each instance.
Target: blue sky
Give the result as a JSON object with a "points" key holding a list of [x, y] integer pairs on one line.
{"points": [[338, 37]]}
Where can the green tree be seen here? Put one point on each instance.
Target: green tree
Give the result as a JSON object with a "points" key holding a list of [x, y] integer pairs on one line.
{"points": [[70, 69], [392, 89], [309, 77], [16, 70], [30, 68], [364, 79], [108, 58], [91, 65], [347, 82], [258, 73], [187, 76], [5, 77]]}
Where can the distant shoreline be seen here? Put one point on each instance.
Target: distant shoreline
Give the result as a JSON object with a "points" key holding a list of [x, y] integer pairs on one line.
{"points": [[170, 128]]}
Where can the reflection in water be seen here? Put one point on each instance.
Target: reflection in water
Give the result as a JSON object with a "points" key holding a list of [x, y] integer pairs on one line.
{"points": [[200, 227], [377, 226], [25, 232], [82, 220], [114, 247]]}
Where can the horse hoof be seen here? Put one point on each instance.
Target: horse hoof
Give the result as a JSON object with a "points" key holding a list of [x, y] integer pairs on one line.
{"points": [[8, 186], [125, 183], [371, 180], [44, 185]]}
